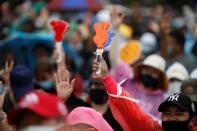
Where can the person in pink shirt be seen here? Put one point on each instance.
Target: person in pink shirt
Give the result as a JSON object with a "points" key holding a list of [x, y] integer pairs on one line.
{"points": [[148, 84], [121, 72]]}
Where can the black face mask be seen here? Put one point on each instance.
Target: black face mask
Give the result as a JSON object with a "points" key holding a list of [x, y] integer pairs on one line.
{"points": [[98, 96], [149, 81], [175, 125]]}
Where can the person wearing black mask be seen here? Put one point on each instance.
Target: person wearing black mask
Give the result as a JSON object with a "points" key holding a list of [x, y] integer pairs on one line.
{"points": [[177, 112], [148, 84], [97, 93], [99, 102]]}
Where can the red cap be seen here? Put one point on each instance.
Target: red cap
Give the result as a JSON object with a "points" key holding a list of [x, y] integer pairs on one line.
{"points": [[41, 103]]}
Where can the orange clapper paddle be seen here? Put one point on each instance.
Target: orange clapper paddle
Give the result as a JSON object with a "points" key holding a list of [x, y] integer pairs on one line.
{"points": [[100, 39]]}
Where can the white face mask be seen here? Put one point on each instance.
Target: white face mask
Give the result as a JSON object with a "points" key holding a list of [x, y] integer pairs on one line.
{"points": [[174, 87]]}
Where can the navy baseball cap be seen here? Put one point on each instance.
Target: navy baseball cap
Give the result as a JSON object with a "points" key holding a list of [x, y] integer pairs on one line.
{"points": [[21, 79]]}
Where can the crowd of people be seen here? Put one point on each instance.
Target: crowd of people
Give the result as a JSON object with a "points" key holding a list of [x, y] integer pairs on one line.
{"points": [[147, 79]]}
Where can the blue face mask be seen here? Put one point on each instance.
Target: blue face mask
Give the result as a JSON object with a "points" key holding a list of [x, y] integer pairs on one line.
{"points": [[46, 85]]}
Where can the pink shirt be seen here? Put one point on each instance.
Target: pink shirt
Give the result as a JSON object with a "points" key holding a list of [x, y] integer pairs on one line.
{"points": [[149, 101], [121, 72]]}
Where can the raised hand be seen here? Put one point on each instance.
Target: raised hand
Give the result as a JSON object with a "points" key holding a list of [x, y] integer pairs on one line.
{"points": [[59, 28], [64, 87], [117, 17], [101, 36], [103, 67], [6, 72], [165, 24]]}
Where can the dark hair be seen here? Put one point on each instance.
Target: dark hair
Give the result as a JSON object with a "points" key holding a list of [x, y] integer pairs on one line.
{"points": [[137, 26], [137, 74], [179, 38], [43, 65], [21, 114], [95, 82], [46, 48]]}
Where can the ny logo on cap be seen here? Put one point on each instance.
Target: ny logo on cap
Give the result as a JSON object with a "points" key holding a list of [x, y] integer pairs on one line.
{"points": [[174, 97]]}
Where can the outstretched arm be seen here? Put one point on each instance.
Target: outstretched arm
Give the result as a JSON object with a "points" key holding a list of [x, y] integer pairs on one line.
{"points": [[165, 29], [124, 108], [64, 87], [116, 20]]}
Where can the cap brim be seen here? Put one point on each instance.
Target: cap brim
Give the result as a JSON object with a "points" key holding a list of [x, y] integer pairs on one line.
{"points": [[162, 72], [165, 104], [178, 76]]}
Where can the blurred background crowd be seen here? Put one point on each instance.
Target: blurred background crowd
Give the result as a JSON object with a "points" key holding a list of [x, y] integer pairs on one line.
{"points": [[142, 28]]}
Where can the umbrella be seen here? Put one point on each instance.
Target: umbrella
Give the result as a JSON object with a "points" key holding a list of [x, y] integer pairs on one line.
{"points": [[75, 4]]}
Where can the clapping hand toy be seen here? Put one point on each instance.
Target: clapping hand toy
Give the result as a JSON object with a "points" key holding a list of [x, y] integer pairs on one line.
{"points": [[59, 28], [102, 39], [110, 36]]}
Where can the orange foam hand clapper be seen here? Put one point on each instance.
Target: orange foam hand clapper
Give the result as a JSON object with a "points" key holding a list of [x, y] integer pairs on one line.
{"points": [[101, 35], [59, 28]]}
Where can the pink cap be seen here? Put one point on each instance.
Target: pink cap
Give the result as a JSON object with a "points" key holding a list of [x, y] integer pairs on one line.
{"points": [[85, 115]]}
